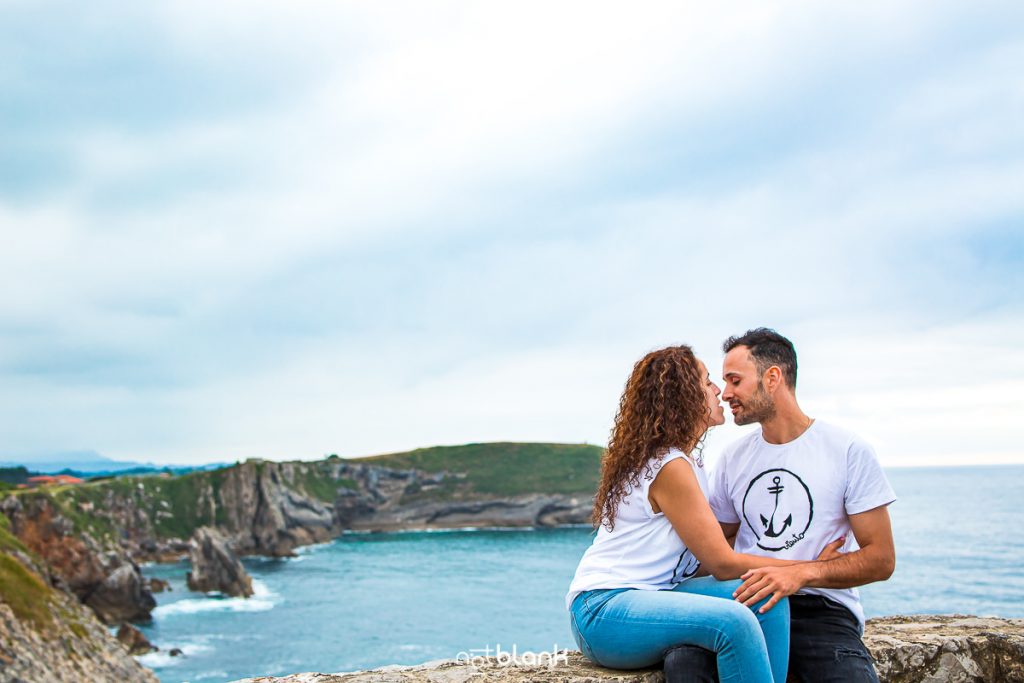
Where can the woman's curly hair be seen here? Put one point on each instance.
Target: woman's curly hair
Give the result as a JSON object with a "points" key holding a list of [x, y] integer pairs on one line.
{"points": [[662, 407]]}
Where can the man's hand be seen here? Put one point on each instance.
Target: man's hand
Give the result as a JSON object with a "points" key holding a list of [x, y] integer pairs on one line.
{"points": [[831, 551], [777, 582]]}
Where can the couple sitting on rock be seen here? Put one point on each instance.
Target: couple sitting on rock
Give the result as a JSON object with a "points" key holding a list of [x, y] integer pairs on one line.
{"points": [[751, 574]]}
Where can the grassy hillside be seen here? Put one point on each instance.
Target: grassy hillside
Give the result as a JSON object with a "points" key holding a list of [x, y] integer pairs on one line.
{"points": [[26, 593], [174, 509], [170, 503], [504, 469]]}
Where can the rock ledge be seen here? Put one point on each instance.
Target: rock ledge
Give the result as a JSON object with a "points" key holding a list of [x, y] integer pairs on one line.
{"points": [[918, 649]]}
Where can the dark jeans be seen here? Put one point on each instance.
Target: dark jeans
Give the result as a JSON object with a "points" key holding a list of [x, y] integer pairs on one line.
{"points": [[824, 647]]}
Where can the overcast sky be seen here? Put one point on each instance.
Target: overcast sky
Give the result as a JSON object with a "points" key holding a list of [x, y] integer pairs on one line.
{"points": [[281, 230]]}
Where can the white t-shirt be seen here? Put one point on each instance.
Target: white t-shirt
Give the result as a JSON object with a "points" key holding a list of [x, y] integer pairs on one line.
{"points": [[643, 550], [792, 499]]}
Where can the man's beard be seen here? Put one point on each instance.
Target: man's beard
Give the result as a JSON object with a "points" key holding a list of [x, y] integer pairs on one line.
{"points": [[761, 407]]}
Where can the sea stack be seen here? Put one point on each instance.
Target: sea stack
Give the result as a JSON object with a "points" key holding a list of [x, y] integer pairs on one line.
{"points": [[215, 567]]}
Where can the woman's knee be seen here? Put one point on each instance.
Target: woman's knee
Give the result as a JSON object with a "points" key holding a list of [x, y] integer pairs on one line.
{"points": [[778, 614], [738, 623]]}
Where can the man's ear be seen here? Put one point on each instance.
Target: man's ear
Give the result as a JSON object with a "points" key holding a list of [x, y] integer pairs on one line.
{"points": [[772, 379]]}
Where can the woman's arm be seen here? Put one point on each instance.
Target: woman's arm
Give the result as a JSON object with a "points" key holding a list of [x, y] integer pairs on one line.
{"points": [[675, 492]]}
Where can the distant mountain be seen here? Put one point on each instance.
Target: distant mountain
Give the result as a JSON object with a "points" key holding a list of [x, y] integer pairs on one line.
{"points": [[89, 463]]}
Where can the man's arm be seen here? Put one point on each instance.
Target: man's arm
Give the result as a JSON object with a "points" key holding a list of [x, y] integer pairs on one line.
{"points": [[875, 561], [730, 529]]}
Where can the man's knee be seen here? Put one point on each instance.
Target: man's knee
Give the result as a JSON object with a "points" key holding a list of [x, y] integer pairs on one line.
{"points": [[855, 663], [690, 664], [836, 662], [826, 644]]}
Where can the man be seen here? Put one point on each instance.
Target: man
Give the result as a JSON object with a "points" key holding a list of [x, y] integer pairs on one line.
{"points": [[786, 491]]}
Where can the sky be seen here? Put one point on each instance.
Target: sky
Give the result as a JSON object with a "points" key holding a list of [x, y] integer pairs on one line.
{"points": [[284, 230]]}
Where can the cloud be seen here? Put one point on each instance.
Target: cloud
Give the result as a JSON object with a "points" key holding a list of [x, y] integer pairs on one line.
{"points": [[252, 230]]}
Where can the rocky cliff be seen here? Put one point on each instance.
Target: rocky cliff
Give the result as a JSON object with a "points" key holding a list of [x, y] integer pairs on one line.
{"points": [[924, 649], [270, 508], [83, 543], [102, 576], [46, 633]]}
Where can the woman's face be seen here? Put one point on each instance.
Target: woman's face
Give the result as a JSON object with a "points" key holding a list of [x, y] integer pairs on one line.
{"points": [[711, 392]]}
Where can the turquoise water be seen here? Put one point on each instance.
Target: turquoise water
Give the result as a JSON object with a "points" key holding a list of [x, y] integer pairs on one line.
{"points": [[366, 600]]}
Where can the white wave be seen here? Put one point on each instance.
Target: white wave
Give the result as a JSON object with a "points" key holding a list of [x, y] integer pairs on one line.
{"points": [[313, 548], [162, 658], [262, 599], [260, 590]]}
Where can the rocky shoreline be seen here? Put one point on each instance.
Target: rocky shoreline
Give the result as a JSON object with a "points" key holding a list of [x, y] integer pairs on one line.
{"points": [[81, 547], [93, 539], [919, 649]]}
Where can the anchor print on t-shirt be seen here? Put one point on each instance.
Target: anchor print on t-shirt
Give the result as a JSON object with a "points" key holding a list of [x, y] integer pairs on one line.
{"points": [[778, 508]]}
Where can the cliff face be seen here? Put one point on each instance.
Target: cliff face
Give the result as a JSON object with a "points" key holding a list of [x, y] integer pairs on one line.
{"points": [[46, 634], [924, 649], [102, 577], [75, 647], [386, 499], [270, 508]]}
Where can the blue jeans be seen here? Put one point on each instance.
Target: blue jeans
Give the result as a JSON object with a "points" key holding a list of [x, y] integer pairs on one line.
{"points": [[627, 628], [825, 647]]}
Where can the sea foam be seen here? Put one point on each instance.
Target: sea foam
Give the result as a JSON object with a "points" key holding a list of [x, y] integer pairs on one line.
{"points": [[262, 599]]}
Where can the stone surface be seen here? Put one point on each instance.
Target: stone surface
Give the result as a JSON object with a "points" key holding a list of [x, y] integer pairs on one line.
{"points": [[536, 510], [571, 667], [104, 579], [924, 649], [122, 596], [70, 645], [159, 585], [215, 567], [947, 648], [134, 640]]}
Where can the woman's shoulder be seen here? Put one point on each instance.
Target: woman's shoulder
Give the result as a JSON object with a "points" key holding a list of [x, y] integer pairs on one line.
{"points": [[663, 460], [674, 454]]}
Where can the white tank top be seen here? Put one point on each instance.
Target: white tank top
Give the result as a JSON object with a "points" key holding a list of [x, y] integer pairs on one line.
{"points": [[643, 550]]}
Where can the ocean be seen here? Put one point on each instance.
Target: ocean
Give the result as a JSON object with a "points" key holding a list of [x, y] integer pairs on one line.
{"points": [[367, 600]]}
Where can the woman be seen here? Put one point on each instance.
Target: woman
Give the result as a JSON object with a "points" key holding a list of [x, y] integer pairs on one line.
{"points": [[636, 594]]}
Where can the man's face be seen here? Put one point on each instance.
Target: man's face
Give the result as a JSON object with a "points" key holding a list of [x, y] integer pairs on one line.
{"points": [[744, 390]]}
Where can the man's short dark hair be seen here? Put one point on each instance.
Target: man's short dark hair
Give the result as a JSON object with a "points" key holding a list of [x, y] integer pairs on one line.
{"points": [[768, 348]]}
